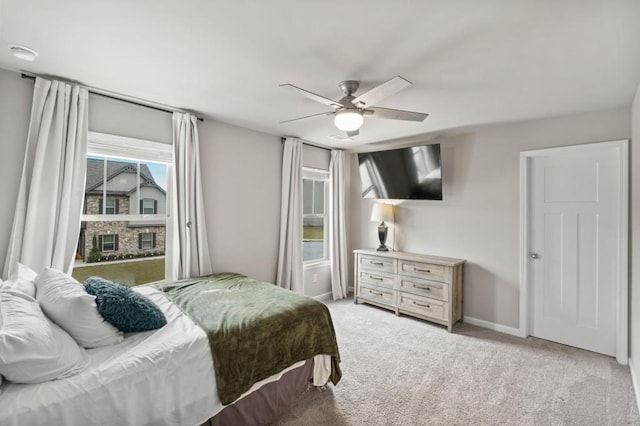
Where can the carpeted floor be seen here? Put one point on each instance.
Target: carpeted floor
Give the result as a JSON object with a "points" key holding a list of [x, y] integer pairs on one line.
{"points": [[404, 371]]}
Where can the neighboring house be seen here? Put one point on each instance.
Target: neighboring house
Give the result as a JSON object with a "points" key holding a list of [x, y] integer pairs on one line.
{"points": [[122, 238]]}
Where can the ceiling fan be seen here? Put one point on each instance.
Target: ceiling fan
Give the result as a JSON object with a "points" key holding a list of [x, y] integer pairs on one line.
{"points": [[348, 113]]}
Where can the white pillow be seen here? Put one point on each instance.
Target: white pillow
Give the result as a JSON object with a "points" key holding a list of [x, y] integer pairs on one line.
{"points": [[33, 349], [65, 301], [22, 280]]}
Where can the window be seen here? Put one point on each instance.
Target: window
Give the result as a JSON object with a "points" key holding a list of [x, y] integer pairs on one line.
{"points": [[112, 206], [146, 240], [125, 210], [108, 242], [314, 218], [148, 206]]}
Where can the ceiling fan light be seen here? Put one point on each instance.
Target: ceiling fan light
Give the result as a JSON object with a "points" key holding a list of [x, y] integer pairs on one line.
{"points": [[348, 120]]}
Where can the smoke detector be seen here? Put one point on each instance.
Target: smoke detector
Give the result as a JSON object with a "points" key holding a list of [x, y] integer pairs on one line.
{"points": [[23, 52]]}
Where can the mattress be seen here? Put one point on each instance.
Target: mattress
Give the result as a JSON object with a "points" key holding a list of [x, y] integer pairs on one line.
{"points": [[161, 377]]}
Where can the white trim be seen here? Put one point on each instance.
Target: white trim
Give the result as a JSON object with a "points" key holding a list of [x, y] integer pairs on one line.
{"points": [[524, 244], [316, 264], [622, 321], [635, 381], [324, 296], [492, 326], [129, 148], [315, 173], [128, 217]]}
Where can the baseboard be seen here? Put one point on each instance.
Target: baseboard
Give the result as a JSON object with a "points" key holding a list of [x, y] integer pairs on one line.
{"points": [[635, 380], [492, 326], [325, 297]]}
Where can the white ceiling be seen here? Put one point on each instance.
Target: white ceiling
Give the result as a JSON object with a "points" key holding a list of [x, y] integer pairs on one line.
{"points": [[471, 62]]}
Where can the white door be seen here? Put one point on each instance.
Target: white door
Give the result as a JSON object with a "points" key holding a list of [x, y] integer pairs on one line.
{"points": [[574, 245]]}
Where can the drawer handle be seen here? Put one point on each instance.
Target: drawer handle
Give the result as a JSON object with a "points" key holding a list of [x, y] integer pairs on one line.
{"points": [[376, 278], [428, 271], [377, 293], [376, 263], [420, 304], [422, 288]]}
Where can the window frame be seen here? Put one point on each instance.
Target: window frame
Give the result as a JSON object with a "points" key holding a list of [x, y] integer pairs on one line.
{"points": [[113, 243], [151, 240], [153, 205], [133, 150], [317, 175], [107, 206]]}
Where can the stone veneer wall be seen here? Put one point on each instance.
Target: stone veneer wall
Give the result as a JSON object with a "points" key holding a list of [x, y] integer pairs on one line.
{"points": [[127, 237], [93, 204]]}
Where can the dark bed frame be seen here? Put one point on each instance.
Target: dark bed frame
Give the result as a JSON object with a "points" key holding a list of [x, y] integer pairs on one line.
{"points": [[269, 403]]}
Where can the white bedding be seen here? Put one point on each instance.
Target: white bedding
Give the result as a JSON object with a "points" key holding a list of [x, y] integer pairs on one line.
{"points": [[161, 377]]}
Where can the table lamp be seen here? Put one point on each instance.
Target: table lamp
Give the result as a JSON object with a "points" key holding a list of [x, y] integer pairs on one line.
{"points": [[381, 213]]}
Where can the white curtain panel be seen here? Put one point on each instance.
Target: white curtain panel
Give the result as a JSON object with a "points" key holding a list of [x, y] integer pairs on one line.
{"points": [[337, 226], [290, 252], [187, 244], [46, 223]]}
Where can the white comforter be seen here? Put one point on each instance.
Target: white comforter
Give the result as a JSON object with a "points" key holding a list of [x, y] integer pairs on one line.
{"points": [[162, 377]]}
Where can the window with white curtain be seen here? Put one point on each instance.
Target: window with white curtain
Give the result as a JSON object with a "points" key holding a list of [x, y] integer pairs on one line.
{"points": [[315, 217], [125, 205]]}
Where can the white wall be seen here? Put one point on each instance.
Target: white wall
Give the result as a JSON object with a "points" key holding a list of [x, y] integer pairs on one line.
{"points": [[15, 109], [241, 184], [478, 220], [634, 256], [241, 174], [115, 117]]}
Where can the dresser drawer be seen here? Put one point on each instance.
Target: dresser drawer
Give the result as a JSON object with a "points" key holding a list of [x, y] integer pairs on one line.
{"points": [[376, 278], [423, 306], [427, 271], [375, 263], [380, 295], [426, 288]]}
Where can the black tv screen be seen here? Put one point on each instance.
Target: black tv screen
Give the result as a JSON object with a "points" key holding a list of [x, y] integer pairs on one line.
{"points": [[412, 173]]}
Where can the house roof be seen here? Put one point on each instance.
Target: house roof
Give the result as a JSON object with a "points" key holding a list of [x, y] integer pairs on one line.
{"points": [[95, 175]]}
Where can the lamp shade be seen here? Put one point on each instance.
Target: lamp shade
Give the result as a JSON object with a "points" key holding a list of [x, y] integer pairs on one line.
{"points": [[382, 213], [348, 120]]}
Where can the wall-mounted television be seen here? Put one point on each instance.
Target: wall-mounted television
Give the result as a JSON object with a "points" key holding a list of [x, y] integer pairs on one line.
{"points": [[412, 173]]}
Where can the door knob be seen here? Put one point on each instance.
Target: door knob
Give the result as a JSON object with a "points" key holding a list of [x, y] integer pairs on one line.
{"points": [[534, 255]]}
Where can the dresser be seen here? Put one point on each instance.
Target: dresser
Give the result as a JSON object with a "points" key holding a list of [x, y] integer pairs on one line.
{"points": [[426, 287]]}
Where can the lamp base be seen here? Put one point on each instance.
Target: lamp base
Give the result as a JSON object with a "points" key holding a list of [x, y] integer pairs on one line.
{"points": [[382, 236]]}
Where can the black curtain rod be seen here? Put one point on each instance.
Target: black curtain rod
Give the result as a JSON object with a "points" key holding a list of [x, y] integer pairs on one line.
{"points": [[282, 139], [129, 101]]}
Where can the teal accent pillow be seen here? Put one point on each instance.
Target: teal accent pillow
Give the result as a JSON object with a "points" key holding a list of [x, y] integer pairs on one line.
{"points": [[125, 309]]}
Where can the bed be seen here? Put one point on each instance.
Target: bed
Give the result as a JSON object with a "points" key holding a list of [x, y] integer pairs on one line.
{"points": [[167, 377]]}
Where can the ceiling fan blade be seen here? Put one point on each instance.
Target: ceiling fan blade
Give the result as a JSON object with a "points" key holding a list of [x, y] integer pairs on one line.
{"points": [[396, 114], [313, 96], [308, 116], [382, 91]]}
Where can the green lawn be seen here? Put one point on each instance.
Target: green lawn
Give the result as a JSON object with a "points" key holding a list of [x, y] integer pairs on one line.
{"points": [[131, 273], [312, 233]]}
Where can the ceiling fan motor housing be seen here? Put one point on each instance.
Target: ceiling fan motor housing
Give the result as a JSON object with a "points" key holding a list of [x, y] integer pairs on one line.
{"points": [[349, 87]]}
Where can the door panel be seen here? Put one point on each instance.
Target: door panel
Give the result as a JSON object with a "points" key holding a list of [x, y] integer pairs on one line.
{"points": [[574, 211]]}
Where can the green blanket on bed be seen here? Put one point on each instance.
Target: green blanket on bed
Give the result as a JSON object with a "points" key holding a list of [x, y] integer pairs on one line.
{"points": [[255, 329]]}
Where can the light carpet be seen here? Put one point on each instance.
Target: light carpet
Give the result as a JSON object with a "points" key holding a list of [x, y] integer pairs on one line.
{"points": [[404, 371]]}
